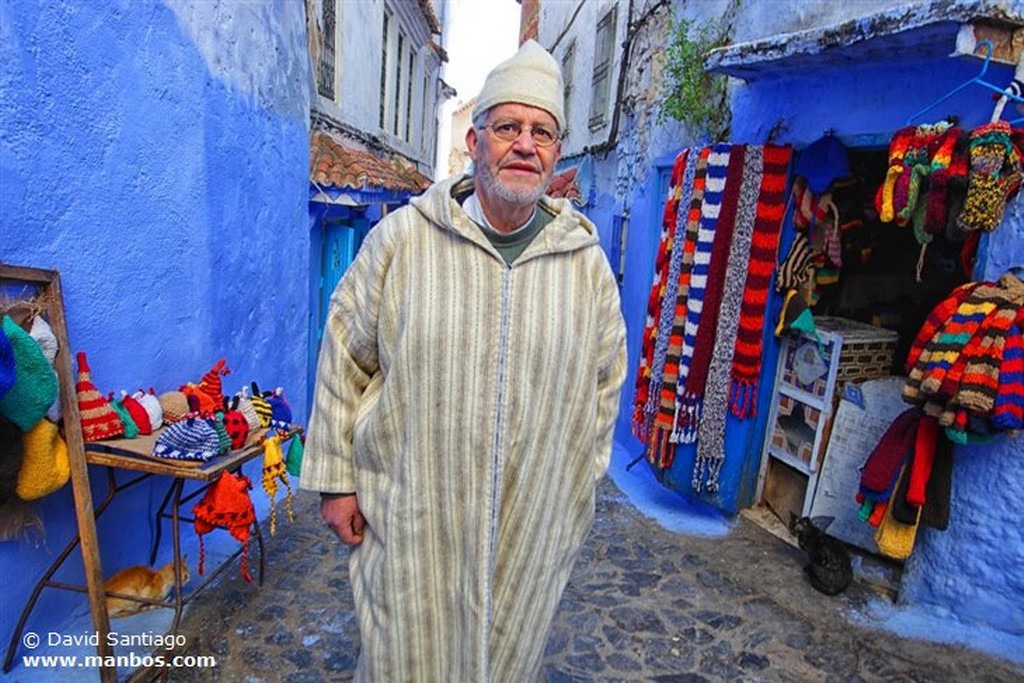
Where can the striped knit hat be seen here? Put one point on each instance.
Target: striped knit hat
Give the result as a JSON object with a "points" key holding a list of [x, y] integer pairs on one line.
{"points": [[35, 384], [190, 439], [274, 470], [247, 409], [210, 383], [99, 421], [260, 405]]}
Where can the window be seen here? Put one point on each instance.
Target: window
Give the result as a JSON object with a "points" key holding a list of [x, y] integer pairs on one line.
{"points": [[384, 68], [408, 97], [424, 133], [396, 103], [325, 80], [604, 55], [568, 63]]}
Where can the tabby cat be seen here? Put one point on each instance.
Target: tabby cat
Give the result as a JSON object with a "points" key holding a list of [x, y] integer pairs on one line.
{"points": [[828, 566], [144, 582]]}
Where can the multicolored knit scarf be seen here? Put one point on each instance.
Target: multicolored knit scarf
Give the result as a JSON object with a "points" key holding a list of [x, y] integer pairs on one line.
{"points": [[660, 451], [711, 431], [746, 364], [1009, 408], [654, 301], [688, 391], [674, 308]]}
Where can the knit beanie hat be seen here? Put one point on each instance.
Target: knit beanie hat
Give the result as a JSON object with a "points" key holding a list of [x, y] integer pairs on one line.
{"points": [[151, 404], [247, 409], [226, 504], [210, 383], [206, 404], [138, 414], [44, 336], [274, 470], [6, 365], [35, 383], [296, 449], [280, 411], [236, 425], [796, 316], [10, 459], [174, 406], [131, 430], [45, 465], [192, 438], [531, 77], [48, 344], [823, 162], [260, 405], [995, 174], [99, 421], [223, 440]]}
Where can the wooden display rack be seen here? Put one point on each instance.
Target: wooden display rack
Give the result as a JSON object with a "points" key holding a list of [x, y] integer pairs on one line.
{"points": [[115, 455]]}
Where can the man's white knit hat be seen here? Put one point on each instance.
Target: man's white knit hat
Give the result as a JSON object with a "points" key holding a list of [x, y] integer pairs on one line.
{"points": [[531, 76]]}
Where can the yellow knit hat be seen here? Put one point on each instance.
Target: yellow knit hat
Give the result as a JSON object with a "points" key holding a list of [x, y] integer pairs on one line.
{"points": [[45, 466]]}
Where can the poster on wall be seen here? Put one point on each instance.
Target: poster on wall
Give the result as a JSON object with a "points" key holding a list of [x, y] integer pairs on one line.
{"points": [[859, 424]]}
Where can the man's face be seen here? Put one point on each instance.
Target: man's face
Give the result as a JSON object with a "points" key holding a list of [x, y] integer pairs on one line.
{"points": [[515, 172]]}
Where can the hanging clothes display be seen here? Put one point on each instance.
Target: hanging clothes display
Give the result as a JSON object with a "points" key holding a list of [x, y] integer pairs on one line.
{"points": [[720, 232]]}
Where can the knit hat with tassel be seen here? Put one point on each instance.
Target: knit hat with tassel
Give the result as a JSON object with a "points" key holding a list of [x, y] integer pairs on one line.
{"points": [[99, 421]]}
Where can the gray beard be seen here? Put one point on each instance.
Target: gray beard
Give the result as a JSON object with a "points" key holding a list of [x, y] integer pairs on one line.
{"points": [[517, 197]]}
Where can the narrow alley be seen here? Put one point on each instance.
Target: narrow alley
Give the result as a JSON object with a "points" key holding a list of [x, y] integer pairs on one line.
{"points": [[643, 603]]}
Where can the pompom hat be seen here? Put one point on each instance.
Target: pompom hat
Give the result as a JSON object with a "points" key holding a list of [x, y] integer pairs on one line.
{"points": [[531, 77]]}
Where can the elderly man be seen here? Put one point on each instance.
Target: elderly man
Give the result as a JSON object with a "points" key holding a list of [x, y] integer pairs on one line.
{"points": [[465, 397]]}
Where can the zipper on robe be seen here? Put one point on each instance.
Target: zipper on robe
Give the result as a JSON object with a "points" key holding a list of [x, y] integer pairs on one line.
{"points": [[496, 469]]}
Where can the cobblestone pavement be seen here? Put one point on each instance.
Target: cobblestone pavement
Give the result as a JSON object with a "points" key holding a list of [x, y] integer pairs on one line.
{"points": [[643, 604]]}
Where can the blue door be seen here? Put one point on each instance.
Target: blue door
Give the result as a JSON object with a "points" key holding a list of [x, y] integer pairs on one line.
{"points": [[342, 239]]}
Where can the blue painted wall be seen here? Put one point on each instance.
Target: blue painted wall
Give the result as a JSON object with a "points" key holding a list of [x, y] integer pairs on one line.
{"points": [[156, 154]]}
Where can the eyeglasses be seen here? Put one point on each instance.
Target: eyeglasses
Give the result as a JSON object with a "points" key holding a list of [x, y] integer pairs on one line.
{"points": [[509, 131]]}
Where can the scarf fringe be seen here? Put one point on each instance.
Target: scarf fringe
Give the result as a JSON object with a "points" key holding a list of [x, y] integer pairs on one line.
{"points": [[688, 413], [743, 398], [706, 473]]}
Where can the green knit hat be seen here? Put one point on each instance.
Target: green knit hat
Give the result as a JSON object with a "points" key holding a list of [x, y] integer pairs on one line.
{"points": [[35, 383]]}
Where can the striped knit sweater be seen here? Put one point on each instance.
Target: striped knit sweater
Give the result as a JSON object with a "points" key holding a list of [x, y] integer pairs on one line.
{"points": [[470, 405]]}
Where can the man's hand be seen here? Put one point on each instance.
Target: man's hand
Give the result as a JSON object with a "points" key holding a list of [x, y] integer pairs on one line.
{"points": [[342, 515]]}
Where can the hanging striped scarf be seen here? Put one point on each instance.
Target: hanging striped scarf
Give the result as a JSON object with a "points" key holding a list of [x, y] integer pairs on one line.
{"points": [[645, 371], [719, 219], [746, 364], [711, 431], [662, 453]]}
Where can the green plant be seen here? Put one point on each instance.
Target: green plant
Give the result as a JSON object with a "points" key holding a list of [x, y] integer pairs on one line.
{"points": [[692, 95]]}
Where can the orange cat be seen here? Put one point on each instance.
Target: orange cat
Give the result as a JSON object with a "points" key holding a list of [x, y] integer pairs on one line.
{"points": [[155, 584]]}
